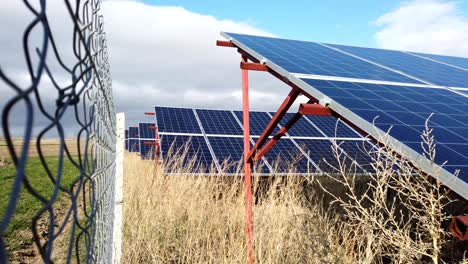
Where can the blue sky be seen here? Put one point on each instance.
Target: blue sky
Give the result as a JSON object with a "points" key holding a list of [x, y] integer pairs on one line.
{"points": [[344, 22]]}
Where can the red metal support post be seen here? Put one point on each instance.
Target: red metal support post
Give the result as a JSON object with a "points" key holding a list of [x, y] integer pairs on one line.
{"points": [[247, 164], [314, 109], [288, 101]]}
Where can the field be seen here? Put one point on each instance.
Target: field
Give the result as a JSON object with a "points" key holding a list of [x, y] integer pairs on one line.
{"points": [[19, 238], [199, 219]]}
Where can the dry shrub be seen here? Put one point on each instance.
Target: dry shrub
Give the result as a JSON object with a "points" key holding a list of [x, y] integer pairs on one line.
{"points": [[401, 215]]}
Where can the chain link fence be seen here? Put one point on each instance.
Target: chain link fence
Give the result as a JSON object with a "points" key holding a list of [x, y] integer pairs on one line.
{"points": [[69, 90]]}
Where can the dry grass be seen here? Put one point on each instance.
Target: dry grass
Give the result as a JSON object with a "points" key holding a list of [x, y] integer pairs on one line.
{"points": [[190, 219], [398, 215]]}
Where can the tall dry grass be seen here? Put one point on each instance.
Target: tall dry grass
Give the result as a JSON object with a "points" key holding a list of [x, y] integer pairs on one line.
{"points": [[192, 219], [396, 215]]}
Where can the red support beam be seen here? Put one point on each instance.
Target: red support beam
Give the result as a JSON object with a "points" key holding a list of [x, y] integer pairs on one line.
{"points": [[288, 101], [150, 113], [223, 43], [269, 145], [314, 109], [253, 66], [247, 164]]}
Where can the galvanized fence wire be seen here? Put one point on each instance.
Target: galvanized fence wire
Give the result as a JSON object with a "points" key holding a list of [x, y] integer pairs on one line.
{"points": [[87, 222]]}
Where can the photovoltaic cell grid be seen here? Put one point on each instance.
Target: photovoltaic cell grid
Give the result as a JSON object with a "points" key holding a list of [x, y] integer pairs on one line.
{"points": [[312, 58], [455, 61], [302, 128], [219, 122], [433, 72], [146, 130], [228, 147], [258, 122], [177, 120], [133, 145], [133, 132], [146, 151], [404, 111], [285, 157], [192, 151]]}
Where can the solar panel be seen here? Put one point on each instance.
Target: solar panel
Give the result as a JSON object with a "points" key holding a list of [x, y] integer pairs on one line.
{"points": [[455, 61], [229, 152], [302, 128], [133, 132], [219, 122], [187, 153], [428, 70], [402, 108], [360, 151], [258, 122], [145, 130], [146, 151], [312, 58], [176, 120], [406, 123], [332, 127], [134, 145], [321, 152], [285, 157], [126, 144]]}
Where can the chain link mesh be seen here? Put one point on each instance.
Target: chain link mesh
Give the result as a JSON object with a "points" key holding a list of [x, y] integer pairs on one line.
{"points": [[86, 98]]}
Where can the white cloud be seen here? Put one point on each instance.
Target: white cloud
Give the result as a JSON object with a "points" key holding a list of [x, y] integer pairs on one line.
{"points": [[159, 55], [425, 26]]}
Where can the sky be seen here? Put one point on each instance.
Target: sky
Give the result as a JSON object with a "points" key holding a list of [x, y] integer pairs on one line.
{"points": [[164, 52]]}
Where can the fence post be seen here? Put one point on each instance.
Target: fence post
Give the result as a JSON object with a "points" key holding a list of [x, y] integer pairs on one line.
{"points": [[118, 199]]}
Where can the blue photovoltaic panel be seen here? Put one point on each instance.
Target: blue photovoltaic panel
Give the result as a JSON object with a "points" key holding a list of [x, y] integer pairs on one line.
{"points": [[312, 58], [229, 152], [258, 122], [126, 133], [359, 150], [332, 127], [285, 157], [321, 152], [146, 151], [455, 61], [427, 70], [405, 110], [197, 157], [126, 144], [146, 131], [133, 132], [134, 145], [176, 120], [219, 122], [302, 128]]}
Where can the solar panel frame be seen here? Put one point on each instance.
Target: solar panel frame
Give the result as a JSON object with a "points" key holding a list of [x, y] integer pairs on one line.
{"points": [[446, 177]]}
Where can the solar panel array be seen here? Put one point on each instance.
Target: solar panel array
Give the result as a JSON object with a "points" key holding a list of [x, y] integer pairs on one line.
{"points": [[133, 139], [216, 142], [395, 91]]}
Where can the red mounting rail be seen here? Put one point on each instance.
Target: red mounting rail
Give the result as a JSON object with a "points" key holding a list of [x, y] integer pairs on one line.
{"points": [[222, 43], [149, 113], [314, 109], [150, 143], [253, 66]]}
